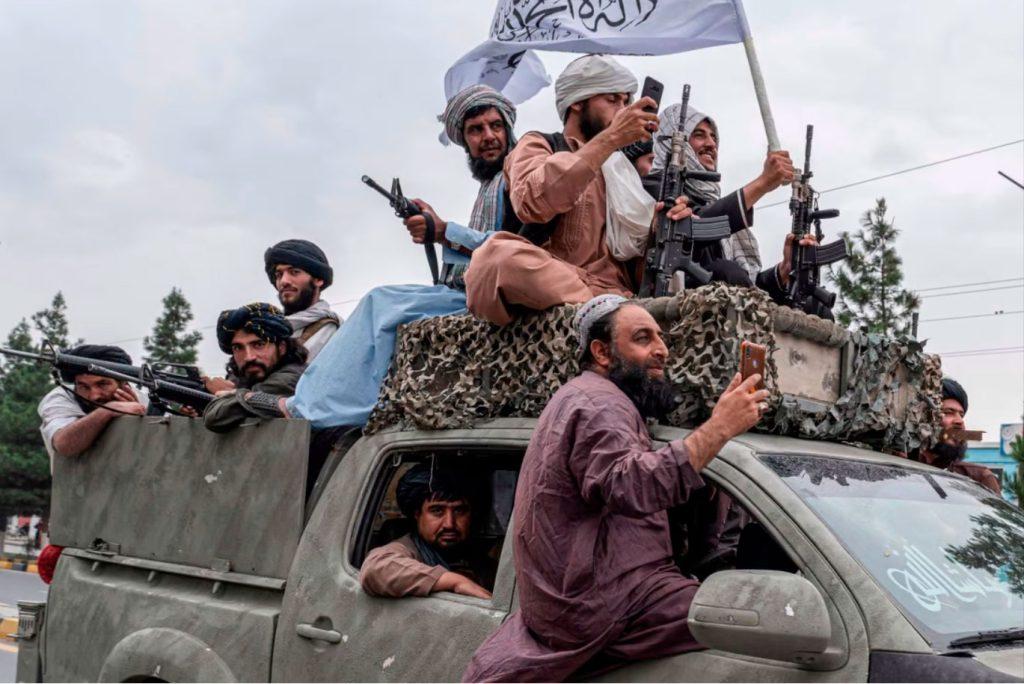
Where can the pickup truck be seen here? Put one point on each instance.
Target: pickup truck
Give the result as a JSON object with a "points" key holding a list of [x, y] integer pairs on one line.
{"points": [[191, 556]]}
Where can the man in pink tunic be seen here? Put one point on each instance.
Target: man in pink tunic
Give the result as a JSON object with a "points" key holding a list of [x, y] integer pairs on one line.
{"points": [[597, 585]]}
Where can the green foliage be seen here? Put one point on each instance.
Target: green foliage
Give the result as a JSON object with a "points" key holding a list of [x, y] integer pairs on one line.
{"points": [[871, 296], [1015, 483], [169, 341], [24, 463]]}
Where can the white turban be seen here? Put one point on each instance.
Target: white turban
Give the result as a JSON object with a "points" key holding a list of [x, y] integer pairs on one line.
{"points": [[589, 76]]}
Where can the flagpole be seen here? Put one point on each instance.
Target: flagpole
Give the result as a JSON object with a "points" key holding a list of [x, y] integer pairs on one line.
{"points": [[760, 90]]}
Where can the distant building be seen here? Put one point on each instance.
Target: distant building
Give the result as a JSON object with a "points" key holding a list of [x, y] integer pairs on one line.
{"points": [[996, 455]]}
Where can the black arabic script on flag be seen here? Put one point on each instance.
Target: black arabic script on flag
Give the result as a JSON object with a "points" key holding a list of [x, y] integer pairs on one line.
{"points": [[546, 20]]}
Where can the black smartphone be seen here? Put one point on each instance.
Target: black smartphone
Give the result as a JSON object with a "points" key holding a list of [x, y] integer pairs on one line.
{"points": [[652, 89]]}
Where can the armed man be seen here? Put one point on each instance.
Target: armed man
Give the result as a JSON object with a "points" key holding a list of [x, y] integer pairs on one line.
{"points": [[300, 272], [340, 388], [705, 196], [949, 452], [584, 210], [74, 420], [438, 554], [265, 365], [592, 541]]}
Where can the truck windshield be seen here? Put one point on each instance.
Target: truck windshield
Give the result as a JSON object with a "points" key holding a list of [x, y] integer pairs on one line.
{"points": [[949, 552]]}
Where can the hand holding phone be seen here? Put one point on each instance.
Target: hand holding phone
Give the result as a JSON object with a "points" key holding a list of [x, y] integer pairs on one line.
{"points": [[652, 89], [752, 361]]}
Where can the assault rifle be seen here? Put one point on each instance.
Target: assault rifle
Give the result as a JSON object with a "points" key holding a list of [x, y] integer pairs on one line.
{"points": [[670, 255], [171, 382], [406, 208], [805, 267]]}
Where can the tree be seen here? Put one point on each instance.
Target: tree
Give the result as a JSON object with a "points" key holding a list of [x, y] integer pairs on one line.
{"points": [[169, 341], [24, 463], [871, 295], [1015, 483]]}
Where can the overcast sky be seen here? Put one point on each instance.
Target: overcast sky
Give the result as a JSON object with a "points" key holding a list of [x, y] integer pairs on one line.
{"points": [[159, 144]]}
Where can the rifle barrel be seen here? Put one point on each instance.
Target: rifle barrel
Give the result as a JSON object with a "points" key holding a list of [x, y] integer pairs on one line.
{"points": [[373, 184], [807, 150], [24, 354]]}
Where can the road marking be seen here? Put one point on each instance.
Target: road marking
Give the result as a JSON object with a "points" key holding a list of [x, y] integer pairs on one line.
{"points": [[8, 648]]}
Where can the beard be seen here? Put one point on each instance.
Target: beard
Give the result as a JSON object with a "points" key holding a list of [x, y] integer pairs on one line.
{"points": [[590, 125], [947, 454], [483, 170], [653, 397], [302, 301]]}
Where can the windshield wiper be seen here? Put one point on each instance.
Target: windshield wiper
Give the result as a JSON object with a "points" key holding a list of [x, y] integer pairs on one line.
{"points": [[989, 637]]}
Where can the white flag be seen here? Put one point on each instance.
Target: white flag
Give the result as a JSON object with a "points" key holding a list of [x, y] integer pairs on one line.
{"points": [[506, 61]]}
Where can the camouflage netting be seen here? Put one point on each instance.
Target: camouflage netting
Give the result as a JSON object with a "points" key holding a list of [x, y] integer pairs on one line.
{"points": [[453, 371]]}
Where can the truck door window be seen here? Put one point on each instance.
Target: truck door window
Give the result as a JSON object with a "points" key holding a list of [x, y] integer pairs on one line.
{"points": [[713, 531], [492, 478]]}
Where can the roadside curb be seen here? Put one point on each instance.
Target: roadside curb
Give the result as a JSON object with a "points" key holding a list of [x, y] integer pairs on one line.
{"points": [[8, 628], [22, 566]]}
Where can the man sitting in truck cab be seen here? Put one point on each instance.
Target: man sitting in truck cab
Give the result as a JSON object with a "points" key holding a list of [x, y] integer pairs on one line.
{"points": [[438, 554], [72, 421], [265, 365], [949, 453]]}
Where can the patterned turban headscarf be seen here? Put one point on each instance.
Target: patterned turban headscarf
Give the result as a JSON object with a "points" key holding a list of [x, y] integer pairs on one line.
{"points": [[263, 320], [589, 76], [593, 311], [454, 114]]}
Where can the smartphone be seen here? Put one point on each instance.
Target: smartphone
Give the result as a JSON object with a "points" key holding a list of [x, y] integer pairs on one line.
{"points": [[752, 361], [652, 89]]}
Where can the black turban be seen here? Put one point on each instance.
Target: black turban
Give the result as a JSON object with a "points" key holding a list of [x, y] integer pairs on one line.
{"points": [[638, 149], [951, 389], [301, 254], [99, 352], [425, 481], [263, 320]]}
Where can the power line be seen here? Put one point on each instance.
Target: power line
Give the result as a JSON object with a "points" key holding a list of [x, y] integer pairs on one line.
{"points": [[983, 352], [208, 327], [987, 289], [912, 168], [983, 282], [960, 318]]}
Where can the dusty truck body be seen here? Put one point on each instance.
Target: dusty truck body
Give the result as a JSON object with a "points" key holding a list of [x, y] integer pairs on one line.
{"points": [[194, 557]]}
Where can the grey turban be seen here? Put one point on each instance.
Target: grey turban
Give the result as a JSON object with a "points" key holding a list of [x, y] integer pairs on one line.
{"points": [[593, 311], [589, 76], [454, 114]]}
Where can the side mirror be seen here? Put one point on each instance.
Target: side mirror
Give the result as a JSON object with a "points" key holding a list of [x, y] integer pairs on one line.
{"points": [[762, 613]]}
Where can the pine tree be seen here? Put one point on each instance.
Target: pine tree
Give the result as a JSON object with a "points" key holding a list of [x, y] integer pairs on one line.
{"points": [[169, 341], [24, 463], [52, 323], [870, 281], [1015, 483]]}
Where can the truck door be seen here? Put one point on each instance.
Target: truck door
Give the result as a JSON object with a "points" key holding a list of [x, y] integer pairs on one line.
{"points": [[330, 629]]}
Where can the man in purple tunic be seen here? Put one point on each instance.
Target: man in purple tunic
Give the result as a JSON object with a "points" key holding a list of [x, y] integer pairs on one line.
{"points": [[597, 585]]}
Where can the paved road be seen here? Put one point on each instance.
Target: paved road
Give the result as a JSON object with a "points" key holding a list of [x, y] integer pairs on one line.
{"points": [[15, 586]]}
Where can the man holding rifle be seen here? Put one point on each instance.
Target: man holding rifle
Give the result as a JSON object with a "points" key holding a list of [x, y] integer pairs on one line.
{"points": [[73, 421], [340, 388]]}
